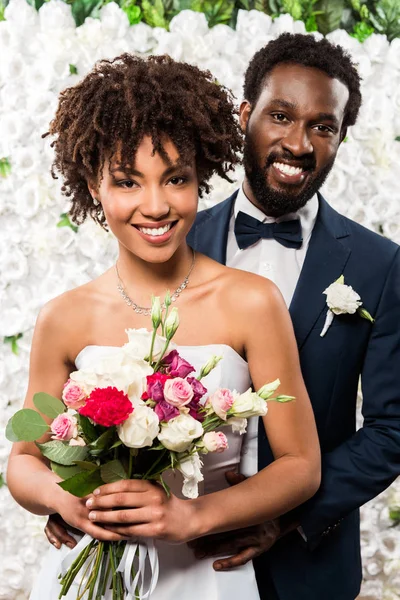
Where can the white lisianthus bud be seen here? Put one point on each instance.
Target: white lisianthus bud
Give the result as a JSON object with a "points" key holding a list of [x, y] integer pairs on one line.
{"points": [[248, 405], [167, 299], [209, 366], [171, 323], [268, 389], [238, 424], [190, 468], [156, 311]]}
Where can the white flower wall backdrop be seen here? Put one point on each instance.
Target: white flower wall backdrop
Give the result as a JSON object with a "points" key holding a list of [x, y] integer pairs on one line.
{"points": [[42, 256]]}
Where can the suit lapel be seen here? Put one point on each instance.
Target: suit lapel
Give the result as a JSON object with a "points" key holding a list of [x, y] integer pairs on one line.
{"points": [[210, 234], [325, 261]]}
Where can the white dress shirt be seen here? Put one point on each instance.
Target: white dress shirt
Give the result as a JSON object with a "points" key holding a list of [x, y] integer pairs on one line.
{"points": [[282, 265]]}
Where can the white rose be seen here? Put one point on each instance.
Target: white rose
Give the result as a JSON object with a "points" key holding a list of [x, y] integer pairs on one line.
{"points": [[55, 14], [178, 433], [252, 23], [377, 46], [190, 468], [141, 38], [140, 342], [114, 20], [342, 299], [189, 22], [248, 404], [21, 15], [285, 23], [140, 428]]}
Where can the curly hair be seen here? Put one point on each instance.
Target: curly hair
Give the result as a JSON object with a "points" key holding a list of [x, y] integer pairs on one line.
{"points": [[120, 101], [307, 51]]}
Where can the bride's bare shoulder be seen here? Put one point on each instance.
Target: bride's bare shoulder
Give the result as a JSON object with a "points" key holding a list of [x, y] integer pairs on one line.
{"points": [[72, 312]]}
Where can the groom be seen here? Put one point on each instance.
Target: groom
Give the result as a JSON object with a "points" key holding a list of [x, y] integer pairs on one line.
{"points": [[301, 95]]}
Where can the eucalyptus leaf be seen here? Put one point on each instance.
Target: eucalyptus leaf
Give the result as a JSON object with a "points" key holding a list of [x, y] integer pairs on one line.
{"points": [[65, 472], [113, 471], [63, 453], [82, 484], [28, 425], [48, 405], [10, 435]]}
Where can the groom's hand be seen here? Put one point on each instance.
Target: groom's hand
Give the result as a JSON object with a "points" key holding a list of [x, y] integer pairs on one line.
{"points": [[57, 533], [243, 544]]}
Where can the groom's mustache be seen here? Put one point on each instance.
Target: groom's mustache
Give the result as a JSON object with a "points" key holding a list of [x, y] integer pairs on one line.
{"points": [[308, 163]]}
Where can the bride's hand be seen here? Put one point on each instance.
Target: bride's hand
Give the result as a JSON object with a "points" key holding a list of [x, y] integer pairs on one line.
{"points": [[74, 512], [138, 508]]}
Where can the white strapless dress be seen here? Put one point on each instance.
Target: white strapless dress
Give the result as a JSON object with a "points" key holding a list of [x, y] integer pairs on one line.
{"points": [[182, 576]]}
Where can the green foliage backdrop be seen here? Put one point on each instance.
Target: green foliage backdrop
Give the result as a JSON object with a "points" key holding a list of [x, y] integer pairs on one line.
{"points": [[360, 18]]}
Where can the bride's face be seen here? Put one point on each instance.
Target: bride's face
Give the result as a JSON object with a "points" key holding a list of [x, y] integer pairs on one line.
{"points": [[150, 206]]}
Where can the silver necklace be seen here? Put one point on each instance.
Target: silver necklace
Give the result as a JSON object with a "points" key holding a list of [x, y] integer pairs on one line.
{"points": [[147, 311]]}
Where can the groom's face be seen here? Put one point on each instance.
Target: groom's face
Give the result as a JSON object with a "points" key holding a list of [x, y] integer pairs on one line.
{"points": [[292, 135]]}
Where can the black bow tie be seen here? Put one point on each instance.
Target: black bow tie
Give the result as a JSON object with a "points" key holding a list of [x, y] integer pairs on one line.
{"points": [[249, 230]]}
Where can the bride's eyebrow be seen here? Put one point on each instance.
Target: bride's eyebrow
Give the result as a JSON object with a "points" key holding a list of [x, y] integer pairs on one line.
{"points": [[168, 171]]}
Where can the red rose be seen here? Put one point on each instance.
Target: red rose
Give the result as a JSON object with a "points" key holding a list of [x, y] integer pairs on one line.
{"points": [[107, 406]]}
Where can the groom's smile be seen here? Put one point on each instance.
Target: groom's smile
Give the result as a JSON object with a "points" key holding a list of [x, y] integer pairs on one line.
{"points": [[293, 132]]}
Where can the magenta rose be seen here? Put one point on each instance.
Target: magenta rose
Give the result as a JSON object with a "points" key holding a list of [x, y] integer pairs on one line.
{"points": [[221, 401], [73, 395], [176, 365], [178, 392], [64, 427], [215, 441], [155, 387], [165, 411], [198, 388]]}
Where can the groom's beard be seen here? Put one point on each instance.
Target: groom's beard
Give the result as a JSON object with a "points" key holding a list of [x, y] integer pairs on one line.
{"points": [[275, 203]]}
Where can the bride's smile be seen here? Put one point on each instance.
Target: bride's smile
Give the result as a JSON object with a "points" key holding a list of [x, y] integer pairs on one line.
{"points": [[150, 205]]}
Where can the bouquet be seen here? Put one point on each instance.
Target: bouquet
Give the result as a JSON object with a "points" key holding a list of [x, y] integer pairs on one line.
{"points": [[134, 414]]}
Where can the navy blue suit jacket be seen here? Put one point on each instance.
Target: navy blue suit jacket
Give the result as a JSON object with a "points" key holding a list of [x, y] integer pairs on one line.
{"points": [[356, 466]]}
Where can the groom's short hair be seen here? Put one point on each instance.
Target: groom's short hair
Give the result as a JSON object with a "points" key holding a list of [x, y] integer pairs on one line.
{"points": [[305, 50]]}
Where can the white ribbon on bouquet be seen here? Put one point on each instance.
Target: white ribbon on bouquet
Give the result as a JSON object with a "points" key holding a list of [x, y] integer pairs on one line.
{"points": [[147, 557]]}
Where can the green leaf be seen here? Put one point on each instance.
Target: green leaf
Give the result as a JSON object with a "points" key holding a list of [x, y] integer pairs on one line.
{"points": [[85, 465], [89, 430], [113, 471], [330, 19], [83, 483], [28, 425], [362, 31], [394, 514], [65, 222], [2, 482], [13, 340], [65, 472], [62, 452], [73, 70], [10, 435], [5, 166], [103, 442], [48, 405], [154, 13], [132, 11], [397, 139], [81, 9]]}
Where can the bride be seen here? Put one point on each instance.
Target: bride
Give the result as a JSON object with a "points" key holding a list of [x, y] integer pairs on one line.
{"points": [[136, 142]]}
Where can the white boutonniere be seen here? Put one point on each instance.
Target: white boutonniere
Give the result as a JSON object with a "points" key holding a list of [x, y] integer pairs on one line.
{"points": [[342, 299]]}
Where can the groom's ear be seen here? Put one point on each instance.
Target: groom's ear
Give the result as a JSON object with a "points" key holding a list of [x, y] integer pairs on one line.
{"points": [[244, 114]]}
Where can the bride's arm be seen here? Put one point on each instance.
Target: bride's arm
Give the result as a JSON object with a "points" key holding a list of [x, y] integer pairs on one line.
{"points": [[29, 478], [262, 325]]}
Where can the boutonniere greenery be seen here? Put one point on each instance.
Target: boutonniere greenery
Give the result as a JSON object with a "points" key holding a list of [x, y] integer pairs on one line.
{"points": [[342, 299]]}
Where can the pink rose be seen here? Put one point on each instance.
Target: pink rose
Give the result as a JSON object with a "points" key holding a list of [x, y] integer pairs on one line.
{"points": [[64, 427], [176, 365], [221, 401], [215, 441], [73, 395], [178, 392]]}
